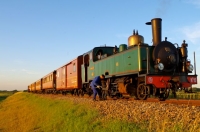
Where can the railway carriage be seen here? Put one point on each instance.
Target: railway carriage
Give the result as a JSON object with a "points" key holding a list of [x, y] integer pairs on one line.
{"points": [[68, 77], [32, 87], [49, 83], [38, 87], [29, 88]]}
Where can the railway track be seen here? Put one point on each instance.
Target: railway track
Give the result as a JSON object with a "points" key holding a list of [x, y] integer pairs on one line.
{"points": [[168, 101], [178, 101], [171, 101]]}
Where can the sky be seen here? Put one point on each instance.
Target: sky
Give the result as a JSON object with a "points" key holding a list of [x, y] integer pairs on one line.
{"points": [[39, 36]]}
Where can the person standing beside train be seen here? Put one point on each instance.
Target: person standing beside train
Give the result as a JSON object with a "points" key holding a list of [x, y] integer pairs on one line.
{"points": [[96, 84]]}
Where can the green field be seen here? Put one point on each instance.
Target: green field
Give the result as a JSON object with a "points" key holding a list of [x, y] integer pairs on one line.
{"points": [[187, 96], [24, 112], [4, 95]]}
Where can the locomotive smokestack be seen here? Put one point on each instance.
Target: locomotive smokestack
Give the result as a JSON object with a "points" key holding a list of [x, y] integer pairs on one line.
{"points": [[156, 30]]}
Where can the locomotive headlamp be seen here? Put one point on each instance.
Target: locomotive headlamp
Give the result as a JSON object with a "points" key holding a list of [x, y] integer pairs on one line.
{"points": [[160, 66], [190, 67]]}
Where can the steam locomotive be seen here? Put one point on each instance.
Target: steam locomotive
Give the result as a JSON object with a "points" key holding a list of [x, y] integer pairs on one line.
{"points": [[138, 70]]}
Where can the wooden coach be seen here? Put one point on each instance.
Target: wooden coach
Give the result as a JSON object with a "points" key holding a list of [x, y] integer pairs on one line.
{"points": [[68, 77], [38, 87], [49, 82]]}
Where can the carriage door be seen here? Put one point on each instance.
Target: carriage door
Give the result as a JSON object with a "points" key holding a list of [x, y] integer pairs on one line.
{"points": [[86, 64]]}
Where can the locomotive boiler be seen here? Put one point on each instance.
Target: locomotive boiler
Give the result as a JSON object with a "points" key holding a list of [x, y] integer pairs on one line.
{"points": [[137, 69]]}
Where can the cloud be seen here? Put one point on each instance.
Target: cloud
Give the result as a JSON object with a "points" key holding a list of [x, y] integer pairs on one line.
{"points": [[194, 2], [192, 33], [29, 72]]}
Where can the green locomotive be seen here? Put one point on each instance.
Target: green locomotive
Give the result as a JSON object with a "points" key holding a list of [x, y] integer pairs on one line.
{"points": [[140, 69]]}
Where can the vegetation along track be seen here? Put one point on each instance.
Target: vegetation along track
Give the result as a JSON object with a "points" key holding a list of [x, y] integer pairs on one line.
{"points": [[171, 115]]}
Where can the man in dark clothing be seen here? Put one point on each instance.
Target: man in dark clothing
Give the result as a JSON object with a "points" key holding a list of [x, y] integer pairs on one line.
{"points": [[96, 84]]}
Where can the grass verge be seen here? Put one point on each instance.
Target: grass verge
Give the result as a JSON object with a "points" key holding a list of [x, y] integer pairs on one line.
{"points": [[24, 112]]}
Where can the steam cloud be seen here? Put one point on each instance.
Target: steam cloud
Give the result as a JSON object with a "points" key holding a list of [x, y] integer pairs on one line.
{"points": [[163, 7]]}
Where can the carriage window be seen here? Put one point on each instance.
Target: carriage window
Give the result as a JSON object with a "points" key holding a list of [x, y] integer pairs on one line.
{"points": [[58, 74], [63, 71], [74, 67], [91, 56]]}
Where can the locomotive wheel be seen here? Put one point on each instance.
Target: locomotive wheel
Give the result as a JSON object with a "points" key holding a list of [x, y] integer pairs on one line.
{"points": [[72, 92], [174, 93], [120, 96], [75, 92], [141, 92], [80, 92], [90, 92], [135, 94], [164, 96], [104, 95]]}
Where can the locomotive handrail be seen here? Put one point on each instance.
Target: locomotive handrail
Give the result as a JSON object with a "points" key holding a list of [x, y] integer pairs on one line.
{"points": [[177, 45], [147, 60], [194, 64]]}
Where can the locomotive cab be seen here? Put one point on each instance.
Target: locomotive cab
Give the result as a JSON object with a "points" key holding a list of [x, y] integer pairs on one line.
{"points": [[99, 53]]}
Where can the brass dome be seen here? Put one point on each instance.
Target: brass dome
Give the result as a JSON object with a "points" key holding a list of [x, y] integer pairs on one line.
{"points": [[135, 39]]}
